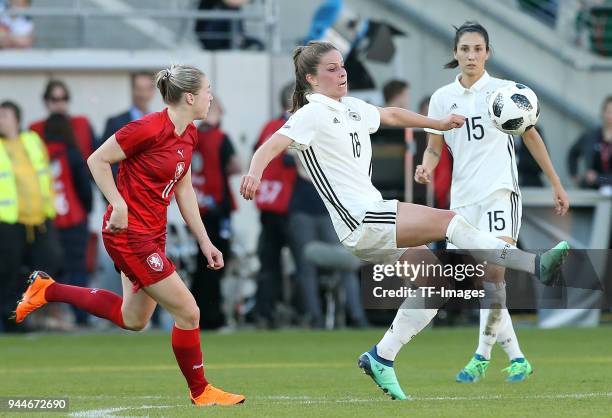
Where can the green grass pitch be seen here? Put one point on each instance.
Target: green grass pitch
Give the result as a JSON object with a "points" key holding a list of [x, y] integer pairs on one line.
{"points": [[309, 374]]}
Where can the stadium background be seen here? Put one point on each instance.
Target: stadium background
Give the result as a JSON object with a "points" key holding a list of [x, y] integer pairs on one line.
{"points": [[94, 45]]}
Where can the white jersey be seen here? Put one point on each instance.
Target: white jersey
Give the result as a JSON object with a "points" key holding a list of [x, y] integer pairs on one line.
{"points": [[483, 156], [333, 139]]}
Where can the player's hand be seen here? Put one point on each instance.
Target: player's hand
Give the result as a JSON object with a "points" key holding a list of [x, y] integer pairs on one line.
{"points": [[248, 186], [213, 256], [118, 221], [452, 121], [422, 174], [560, 199]]}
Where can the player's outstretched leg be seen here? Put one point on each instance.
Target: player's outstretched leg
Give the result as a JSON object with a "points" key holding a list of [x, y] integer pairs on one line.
{"points": [[382, 373], [43, 289], [418, 225], [545, 267]]}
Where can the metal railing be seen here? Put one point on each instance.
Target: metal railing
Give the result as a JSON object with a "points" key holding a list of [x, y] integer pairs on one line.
{"points": [[79, 27], [544, 10]]}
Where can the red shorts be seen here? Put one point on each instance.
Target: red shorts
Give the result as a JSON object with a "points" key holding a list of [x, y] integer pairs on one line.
{"points": [[141, 258]]}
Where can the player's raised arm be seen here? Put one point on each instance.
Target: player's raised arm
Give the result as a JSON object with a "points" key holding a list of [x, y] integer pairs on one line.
{"points": [[100, 166], [262, 157], [395, 116], [431, 158]]}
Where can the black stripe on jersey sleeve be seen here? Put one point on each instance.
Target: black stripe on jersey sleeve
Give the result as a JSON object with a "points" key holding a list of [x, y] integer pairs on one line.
{"points": [[378, 222], [392, 218], [380, 213]]}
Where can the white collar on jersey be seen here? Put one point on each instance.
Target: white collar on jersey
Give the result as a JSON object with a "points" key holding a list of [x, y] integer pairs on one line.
{"points": [[477, 86], [328, 101]]}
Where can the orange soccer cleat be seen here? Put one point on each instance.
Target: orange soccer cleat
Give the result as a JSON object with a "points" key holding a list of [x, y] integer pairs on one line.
{"points": [[213, 396], [34, 296]]}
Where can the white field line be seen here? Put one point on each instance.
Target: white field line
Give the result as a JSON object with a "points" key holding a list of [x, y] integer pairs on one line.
{"points": [[109, 412], [308, 400]]}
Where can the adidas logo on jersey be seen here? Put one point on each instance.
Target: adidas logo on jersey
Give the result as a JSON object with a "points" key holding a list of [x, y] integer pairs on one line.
{"points": [[453, 107], [336, 120]]}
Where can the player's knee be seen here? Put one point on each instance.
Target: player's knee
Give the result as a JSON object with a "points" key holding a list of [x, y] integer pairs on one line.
{"points": [[191, 317], [135, 324]]}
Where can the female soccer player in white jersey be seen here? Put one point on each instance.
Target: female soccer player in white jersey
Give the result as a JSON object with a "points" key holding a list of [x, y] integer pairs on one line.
{"points": [[332, 133], [484, 185]]}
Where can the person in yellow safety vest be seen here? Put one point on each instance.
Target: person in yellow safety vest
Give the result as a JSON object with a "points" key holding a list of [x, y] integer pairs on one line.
{"points": [[28, 240]]}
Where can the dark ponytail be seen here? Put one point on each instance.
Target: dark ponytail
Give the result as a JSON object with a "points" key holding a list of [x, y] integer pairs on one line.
{"points": [[305, 61], [473, 27]]}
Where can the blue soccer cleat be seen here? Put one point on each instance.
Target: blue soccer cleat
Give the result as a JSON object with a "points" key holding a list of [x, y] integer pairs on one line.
{"points": [[382, 374], [474, 370], [519, 370]]}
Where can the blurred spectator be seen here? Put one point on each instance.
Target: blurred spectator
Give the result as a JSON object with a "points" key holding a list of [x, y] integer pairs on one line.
{"points": [[73, 200], [57, 97], [309, 222], [599, 172], [217, 34], [15, 31], [396, 93], [143, 92], [213, 162], [272, 200], [593, 147], [26, 210]]}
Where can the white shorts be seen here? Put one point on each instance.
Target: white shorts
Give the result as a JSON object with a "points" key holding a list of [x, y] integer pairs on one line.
{"points": [[374, 240], [500, 214]]}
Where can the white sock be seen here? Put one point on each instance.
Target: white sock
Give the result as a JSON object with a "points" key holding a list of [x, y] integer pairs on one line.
{"points": [[407, 324], [491, 317], [506, 337], [466, 237]]}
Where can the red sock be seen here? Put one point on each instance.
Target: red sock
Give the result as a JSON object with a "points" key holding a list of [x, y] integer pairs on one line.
{"points": [[186, 347], [98, 302]]}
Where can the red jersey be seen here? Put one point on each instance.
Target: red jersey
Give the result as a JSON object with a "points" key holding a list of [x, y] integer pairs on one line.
{"points": [[278, 179], [157, 159]]}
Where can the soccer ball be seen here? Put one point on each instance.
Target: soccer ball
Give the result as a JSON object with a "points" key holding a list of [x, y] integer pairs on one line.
{"points": [[514, 109]]}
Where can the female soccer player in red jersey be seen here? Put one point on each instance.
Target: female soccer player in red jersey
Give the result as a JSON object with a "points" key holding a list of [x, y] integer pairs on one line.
{"points": [[155, 157]]}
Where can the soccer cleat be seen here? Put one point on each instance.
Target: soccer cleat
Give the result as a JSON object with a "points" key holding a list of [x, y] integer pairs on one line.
{"points": [[474, 370], [520, 369], [382, 375], [213, 396], [34, 296], [549, 263]]}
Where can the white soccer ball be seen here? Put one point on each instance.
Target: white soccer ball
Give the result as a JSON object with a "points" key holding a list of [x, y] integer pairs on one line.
{"points": [[514, 108]]}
